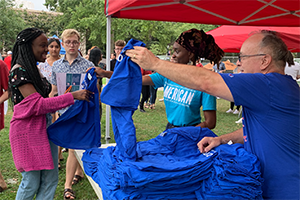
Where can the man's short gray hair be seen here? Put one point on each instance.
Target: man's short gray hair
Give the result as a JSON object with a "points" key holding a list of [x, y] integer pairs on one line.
{"points": [[276, 47]]}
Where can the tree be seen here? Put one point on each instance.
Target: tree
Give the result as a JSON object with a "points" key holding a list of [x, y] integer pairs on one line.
{"points": [[44, 21], [10, 24], [87, 16], [84, 16]]}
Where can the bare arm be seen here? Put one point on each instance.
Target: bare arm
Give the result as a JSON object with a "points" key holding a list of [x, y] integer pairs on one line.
{"points": [[147, 80], [210, 119], [53, 91], [207, 143], [4, 97], [101, 72], [186, 75]]}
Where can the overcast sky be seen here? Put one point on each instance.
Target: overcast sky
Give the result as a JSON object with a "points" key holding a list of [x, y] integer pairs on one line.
{"points": [[38, 4]]}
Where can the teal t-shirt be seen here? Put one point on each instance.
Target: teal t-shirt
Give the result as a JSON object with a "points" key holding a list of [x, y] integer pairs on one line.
{"points": [[183, 104]]}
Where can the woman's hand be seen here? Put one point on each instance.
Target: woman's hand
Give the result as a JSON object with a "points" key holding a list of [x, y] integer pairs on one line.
{"points": [[82, 95]]}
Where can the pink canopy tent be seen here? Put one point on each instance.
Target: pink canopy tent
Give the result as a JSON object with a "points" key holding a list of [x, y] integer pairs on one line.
{"points": [[222, 12], [231, 38]]}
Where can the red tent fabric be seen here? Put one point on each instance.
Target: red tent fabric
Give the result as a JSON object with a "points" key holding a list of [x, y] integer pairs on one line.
{"points": [[222, 12], [231, 38]]}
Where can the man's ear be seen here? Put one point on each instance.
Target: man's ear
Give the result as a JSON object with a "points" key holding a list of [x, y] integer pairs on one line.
{"points": [[266, 61]]}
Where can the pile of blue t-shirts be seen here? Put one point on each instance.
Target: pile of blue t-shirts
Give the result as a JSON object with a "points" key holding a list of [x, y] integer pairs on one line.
{"points": [[170, 166]]}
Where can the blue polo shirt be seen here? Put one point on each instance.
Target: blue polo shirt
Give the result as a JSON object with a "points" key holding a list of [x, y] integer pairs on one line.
{"points": [[271, 128]]}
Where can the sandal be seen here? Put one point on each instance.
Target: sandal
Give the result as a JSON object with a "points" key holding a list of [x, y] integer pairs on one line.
{"points": [[69, 193], [146, 105], [64, 150], [152, 106], [2, 189], [76, 179]]}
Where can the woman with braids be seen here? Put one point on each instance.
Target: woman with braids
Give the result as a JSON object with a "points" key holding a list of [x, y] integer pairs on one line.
{"points": [[34, 155]]}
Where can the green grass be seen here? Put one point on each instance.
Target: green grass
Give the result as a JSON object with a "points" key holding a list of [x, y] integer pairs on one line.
{"points": [[148, 125]]}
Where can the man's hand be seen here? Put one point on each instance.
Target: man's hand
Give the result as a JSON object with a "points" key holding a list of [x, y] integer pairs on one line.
{"points": [[82, 95], [207, 143], [143, 57]]}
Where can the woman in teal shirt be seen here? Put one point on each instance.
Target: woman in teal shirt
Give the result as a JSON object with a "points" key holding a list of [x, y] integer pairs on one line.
{"points": [[183, 104]]}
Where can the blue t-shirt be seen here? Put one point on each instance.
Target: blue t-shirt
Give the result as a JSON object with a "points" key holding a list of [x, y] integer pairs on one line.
{"points": [[271, 128], [183, 104]]}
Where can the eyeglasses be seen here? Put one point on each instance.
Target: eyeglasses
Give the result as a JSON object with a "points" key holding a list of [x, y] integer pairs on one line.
{"points": [[253, 55], [118, 49], [69, 43]]}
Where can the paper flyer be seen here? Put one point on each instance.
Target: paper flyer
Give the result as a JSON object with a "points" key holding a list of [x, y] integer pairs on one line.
{"points": [[69, 82]]}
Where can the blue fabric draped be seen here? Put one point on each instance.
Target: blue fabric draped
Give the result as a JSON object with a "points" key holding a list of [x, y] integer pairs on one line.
{"points": [[122, 93], [79, 126]]}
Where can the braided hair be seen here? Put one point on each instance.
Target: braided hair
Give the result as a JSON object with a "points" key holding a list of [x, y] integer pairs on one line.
{"points": [[23, 55], [201, 45]]}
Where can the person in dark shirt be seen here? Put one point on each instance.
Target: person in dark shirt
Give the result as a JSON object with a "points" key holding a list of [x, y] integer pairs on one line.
{"points": [[119, 45]]}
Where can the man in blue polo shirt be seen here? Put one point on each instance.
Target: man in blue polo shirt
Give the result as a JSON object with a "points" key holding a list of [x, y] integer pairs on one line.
{"points": [[270, 100]]}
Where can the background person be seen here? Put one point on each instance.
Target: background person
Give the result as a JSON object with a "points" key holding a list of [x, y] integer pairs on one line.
{"points": [[95, 57], [153, 95], [145, 93], [261, 89], [34, 155], [294, 69], [219, 68], [119, 45], [231, 109], [3, 90], [3, 97], [7, 60]]}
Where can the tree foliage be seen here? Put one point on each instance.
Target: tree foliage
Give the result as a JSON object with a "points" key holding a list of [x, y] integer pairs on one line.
{"points": [[44, 21], [10, 24], [87, 16]]}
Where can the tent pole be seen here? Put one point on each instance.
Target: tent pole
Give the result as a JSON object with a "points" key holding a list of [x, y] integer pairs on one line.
{"points": [[108, 49]]}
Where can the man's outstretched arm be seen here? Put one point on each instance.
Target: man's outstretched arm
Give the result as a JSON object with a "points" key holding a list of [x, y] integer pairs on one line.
{"points": [[186, 75]]}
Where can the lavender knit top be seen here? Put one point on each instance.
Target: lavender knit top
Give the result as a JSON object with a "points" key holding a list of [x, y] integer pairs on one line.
{"points": [[28, 136]]}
